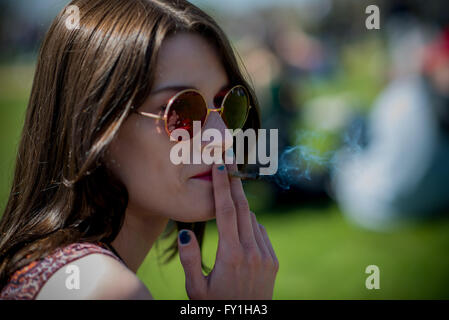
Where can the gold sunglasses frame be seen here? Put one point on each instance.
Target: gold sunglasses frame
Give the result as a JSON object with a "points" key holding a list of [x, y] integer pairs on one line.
{"points": [[209, 110]]}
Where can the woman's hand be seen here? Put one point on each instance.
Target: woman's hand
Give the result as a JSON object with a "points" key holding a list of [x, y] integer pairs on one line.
{"points": [[245, 265]]}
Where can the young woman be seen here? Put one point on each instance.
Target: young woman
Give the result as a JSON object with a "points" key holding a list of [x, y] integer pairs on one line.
{"points": [[94, 186]]}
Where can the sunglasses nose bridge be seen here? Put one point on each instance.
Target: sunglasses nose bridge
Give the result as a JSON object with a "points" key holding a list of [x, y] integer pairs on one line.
{"points": [[214, 119], [209, 110]]}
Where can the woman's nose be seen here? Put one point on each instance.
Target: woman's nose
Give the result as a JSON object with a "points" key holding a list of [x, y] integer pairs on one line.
{"points": [[218, 136]]}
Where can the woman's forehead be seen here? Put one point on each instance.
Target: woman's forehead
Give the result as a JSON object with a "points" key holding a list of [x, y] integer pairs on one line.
{"points": [[187, 59]]}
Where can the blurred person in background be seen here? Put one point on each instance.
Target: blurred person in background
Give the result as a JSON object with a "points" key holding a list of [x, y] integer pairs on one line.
{"points": [[402, 174], [296, 56]]}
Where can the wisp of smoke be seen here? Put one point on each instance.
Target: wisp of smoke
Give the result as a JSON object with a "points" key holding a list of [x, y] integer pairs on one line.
{"points": [[299, 162]]}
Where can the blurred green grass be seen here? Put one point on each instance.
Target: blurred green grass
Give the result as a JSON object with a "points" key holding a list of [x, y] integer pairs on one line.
{"points": [[321, 255], [15, 85]]}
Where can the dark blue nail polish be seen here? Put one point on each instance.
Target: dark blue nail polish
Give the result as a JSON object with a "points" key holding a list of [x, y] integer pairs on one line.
{"points": [[184, 237], [221, 168]]}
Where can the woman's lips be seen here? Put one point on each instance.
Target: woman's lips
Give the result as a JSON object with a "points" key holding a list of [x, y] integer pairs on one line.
{"points": [[207, 175]]}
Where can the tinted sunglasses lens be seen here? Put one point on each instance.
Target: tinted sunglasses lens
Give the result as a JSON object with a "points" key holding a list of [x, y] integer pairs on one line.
{"points": [[236, 108], [186, 108]]}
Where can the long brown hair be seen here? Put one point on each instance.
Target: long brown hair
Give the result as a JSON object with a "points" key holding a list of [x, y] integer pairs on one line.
{"points": [[85, 82]]}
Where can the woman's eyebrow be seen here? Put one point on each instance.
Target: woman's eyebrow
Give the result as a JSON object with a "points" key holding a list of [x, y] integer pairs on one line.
{"points": [[181, 87]]}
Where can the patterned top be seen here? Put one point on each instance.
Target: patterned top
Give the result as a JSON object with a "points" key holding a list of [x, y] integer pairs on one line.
{"points": [[25, 283]]}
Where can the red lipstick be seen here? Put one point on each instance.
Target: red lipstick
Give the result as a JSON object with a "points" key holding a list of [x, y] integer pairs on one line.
{"points": [[207, 175]]}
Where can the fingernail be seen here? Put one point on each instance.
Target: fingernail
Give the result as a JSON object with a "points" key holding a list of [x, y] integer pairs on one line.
{"points": [[184, 237], [221, 168]]}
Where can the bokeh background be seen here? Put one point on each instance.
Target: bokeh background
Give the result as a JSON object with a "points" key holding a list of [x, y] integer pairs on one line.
{"points": [[318, 73]]}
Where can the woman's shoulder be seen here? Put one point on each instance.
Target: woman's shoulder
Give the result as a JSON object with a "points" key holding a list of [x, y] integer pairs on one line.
{"points": [[95, 276], [80, 270]]}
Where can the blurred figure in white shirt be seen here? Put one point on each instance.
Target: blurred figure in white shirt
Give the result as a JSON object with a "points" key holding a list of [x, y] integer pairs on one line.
{"points": [[403, 173]]}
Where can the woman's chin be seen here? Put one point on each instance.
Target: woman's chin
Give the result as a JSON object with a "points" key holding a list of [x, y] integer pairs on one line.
{"points": [[198, 217]]}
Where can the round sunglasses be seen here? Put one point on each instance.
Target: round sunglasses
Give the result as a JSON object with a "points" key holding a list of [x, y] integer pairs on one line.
{"points": [[190, 105]]}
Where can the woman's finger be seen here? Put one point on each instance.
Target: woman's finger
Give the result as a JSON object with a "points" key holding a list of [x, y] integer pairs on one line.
{"points": [[258, 235], [224, 206], [269, 246], [190, 256], [244, 223]]}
